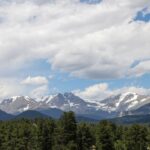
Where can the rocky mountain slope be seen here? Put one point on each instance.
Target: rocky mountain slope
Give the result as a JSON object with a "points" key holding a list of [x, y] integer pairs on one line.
{"points": [[118, 105], [19, 104], [124, 102]]}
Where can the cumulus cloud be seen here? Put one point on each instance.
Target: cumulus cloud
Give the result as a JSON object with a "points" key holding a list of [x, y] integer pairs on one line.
{"points": [[101, 91], [135, 89], [38, 80], [141, 68], [94, 92], [98, 41], [31, 86], [39, 91], [38, 86], [10, 87]]}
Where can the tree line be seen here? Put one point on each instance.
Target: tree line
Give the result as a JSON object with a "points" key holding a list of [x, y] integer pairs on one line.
{"points": [[67, 134]]}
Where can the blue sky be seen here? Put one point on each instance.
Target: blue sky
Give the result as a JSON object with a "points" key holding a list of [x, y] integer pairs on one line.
{"points": [[63, 82], [143, 16], [93, 48]]}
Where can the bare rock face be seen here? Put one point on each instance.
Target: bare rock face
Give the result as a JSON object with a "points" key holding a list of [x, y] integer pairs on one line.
{"points": [[125, 102], [118, 105], [18, 104]]}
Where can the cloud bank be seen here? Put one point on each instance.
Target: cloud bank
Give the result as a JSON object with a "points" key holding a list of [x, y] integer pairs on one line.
{"points": [[93, 41], [101, 91], [38, 80], [99, 41]]}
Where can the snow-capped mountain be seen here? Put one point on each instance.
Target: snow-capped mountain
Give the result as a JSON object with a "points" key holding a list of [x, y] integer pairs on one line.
{"points": [[124, 102], [47, 99], [111, 107], [69, 102], [18, 104], [145, 109]]}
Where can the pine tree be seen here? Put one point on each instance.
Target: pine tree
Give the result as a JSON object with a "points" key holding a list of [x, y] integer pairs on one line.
{"points": [[66, 130], [85, 139], [106, 135], [120, 145], [136, 138]]}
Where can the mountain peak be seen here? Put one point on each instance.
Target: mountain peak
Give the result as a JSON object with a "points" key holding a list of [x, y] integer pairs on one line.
{"points": [[14, 98], [17, 104], [124, 102], [117, 104], [129, 93], [60, 95], [69, 94]]}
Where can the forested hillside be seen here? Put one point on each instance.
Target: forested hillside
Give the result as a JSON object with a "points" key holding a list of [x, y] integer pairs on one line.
{"points": [[67, 134]]}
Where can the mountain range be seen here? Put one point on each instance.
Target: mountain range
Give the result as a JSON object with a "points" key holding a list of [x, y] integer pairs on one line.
{"points": [[115, 106]]}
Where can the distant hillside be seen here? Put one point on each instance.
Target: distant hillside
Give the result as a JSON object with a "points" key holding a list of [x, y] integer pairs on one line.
{"points": [[122, 104], [86, 119], [51, 112], [31, 114], [132, 119], [5, 116]]}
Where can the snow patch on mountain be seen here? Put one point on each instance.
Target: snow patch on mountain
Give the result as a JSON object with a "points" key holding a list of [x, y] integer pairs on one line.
{"points": [[117, 104], [47, 99], [124, 102], [26, 108]]}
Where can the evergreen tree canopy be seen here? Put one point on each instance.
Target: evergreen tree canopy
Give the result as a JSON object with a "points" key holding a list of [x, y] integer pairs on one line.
{"points": [[67, 134]]}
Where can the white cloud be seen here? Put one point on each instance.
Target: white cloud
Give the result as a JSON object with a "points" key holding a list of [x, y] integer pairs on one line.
{"points": [[38, 86], [38, 80], [10, 87], [101, 91], [140, 69], [31, 86], [94, 92], [88, 41], [139, 90], [39, 91]]}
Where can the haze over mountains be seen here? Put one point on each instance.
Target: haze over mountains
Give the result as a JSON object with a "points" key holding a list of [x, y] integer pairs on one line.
{"points": [[119, 105]]}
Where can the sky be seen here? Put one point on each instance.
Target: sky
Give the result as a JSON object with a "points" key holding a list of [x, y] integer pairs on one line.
{"points": [[92, 48]]}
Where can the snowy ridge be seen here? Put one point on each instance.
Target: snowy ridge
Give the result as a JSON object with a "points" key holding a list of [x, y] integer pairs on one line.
{"points": [[117, 104], [124, 102], [18, 104], [47, 99], [123, 96]]}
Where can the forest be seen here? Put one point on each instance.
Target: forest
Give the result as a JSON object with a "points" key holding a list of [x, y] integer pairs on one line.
{"points": [[67, 134]]}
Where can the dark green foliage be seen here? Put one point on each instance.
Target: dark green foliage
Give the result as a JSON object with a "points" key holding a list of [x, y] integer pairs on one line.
{"points": [[31, 114], [68, 127], [85, 138], [120, 145], [106, 135], [132, 119], [66, 134], [136, 135], [5, 116]]}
